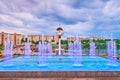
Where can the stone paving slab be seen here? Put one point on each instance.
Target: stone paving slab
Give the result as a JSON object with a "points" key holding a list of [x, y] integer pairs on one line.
{"points": [[101, 78], [58, 74]]}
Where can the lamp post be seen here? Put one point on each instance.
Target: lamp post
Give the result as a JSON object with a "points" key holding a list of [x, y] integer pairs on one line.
{"points": [[59, 33]]}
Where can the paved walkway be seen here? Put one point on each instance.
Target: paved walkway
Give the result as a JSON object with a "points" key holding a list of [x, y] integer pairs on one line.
{"points": [[109, 78]]}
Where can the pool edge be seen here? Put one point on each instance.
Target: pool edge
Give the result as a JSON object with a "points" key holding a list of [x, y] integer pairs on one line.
{"points": [[58, 74]]}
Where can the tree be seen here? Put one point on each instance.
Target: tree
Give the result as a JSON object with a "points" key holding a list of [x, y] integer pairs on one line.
{"points": [[100, 44], [37, 42], [118, 43], [64, 41], [85, 43], [33, 42], [53, 40], [22, 40], [26, 39], [1, 48], [46, 40]]}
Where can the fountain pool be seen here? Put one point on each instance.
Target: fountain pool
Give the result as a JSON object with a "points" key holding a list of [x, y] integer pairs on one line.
{"points": [[58, 63]]}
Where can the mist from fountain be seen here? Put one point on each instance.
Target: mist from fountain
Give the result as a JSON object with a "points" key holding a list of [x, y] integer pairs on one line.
{"points": [[70, 48], [77, 53], [42, 53], [111, 50], [39, 49], [49, 49], [92, 49], [8, 50], [27, 48]]}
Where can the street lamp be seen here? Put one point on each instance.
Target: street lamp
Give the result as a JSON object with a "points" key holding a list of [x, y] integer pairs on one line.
{"points": [[59, 33]]}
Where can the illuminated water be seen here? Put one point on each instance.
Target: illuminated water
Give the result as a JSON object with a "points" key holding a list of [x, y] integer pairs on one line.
{"points": [[111, 50], [59, 63], [27, 48], [92, 49], [8, 50]]}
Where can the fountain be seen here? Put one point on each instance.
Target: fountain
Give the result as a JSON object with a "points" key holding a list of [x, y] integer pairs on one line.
{"points": [[111, 50], [8, 48], [45, 48], [42, 52], [45, 60], [27, 48], [49, 49], [70, 48], [39, 49], [77, 53], [92, 49]]}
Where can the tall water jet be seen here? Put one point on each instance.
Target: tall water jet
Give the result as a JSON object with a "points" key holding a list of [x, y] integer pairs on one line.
{"points": [[27, 48], [77, 53], [111, 50], [49, 48], [70, 48], [8, 50], [39, 49], [92, 49], [42, 58], [45, 48], [11, 49]]}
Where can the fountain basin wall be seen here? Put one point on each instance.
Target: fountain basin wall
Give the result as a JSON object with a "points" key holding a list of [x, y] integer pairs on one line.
{"points": [[58, 74]]}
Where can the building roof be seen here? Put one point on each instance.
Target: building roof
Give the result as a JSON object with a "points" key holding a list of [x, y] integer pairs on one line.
{"points": [[59, 28]]}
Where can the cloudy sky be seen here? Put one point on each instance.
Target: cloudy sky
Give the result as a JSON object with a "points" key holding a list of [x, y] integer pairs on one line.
{"points": [[83, 17]]}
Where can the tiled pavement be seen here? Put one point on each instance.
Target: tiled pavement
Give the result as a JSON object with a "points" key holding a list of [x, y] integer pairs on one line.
{"points": [[106, 78]]}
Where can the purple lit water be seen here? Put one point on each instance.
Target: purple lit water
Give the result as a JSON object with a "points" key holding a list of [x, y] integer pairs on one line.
{"points": [[8, 51], [42, 50], [77, 53], [92, 49], [111, 50]]}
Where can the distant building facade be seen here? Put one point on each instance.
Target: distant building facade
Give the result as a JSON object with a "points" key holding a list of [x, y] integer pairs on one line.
{"points": [[45, 38], [81, 38], [16, 38]]}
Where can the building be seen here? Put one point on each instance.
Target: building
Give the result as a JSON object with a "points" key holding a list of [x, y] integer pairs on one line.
{"points": [[81, 38], [45, 38], [16, 38]]}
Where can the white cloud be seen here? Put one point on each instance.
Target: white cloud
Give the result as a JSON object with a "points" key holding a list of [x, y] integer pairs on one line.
{"points": [[43, 16], [4, 28], [112, 8], [80, 28], [24, 15], [9, 19]]}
